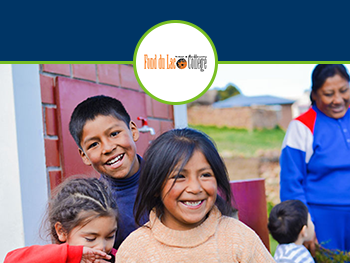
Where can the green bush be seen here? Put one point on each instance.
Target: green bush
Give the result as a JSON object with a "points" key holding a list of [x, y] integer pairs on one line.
{"points": [[324, 255]]}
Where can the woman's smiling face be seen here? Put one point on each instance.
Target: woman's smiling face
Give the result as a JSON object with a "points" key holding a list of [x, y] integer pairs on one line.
{"points": [[333, 97], [188, 199]]}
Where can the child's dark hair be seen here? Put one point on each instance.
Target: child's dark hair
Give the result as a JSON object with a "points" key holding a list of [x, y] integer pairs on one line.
{"points": [[92, 107], [287, 220], [77, 202], [161, 158]]}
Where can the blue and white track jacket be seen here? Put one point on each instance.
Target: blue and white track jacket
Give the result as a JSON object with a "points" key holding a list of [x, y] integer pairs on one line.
{"points": [[315, 159]]}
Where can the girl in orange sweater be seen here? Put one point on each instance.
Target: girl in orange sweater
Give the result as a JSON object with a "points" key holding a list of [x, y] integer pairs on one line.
{"points": [[178, 187], [82, 221]]}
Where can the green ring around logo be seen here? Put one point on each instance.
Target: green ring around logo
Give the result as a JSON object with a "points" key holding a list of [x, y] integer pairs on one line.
{"points": [[172, 22]]}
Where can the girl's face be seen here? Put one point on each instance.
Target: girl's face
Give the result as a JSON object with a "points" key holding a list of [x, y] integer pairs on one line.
{"points": [[99, 234], [188, 201], [333, 97]]}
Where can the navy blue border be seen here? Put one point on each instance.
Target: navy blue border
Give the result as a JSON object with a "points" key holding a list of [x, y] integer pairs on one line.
{"points": [[109, 31]]}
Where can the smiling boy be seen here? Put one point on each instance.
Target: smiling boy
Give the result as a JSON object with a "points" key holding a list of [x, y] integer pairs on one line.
{"points": [[106, 136], [108, 144]]}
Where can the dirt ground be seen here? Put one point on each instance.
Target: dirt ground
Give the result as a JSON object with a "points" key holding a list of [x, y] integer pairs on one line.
{"points": [[266, 166]]}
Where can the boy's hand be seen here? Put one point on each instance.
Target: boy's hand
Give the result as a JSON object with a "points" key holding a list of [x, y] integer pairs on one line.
{"points": [[311, 245], [91, 255]]}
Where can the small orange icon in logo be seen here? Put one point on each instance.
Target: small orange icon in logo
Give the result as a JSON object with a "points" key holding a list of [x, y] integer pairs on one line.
{"points": [[181, 63]]}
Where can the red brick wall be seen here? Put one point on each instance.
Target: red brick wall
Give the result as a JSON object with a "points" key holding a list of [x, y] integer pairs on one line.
{"points": [[160, 116]]}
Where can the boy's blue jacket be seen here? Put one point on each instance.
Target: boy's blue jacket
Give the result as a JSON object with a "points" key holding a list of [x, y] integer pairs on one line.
{"points": [[315, 159], [124, 192]]}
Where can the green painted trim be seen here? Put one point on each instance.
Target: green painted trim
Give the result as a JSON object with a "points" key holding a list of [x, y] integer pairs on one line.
{"points": [[179, 22], [66, 62], [284, 62], [132, 62]]}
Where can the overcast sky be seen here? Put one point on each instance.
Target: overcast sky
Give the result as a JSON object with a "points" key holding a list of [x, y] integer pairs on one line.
{"points": [[281, 80]]}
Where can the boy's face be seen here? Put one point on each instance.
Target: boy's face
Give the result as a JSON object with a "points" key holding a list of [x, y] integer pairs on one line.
{"points": [[310, 229], [108, 144]]}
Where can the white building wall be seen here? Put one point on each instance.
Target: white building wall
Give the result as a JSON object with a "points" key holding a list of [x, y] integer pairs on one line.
{"points": [[23, 182], [11, 223], [180, 116]]}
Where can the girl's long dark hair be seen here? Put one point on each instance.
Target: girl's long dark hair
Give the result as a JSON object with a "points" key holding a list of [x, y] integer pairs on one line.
{"points": [[164, 154]]}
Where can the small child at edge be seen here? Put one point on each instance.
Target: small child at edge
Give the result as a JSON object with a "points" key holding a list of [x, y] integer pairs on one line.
{"points": [[290, 224]]}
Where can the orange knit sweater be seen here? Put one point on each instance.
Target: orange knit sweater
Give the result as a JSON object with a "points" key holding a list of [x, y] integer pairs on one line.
{"points": [[218, 239]]}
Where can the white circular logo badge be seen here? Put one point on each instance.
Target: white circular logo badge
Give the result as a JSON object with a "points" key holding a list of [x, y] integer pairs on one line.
{"points": [[175, 62]]}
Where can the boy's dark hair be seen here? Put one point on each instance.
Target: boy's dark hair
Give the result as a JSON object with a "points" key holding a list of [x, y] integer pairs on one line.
{"points": [[287, 220], [323, 71], [161, 158], [92, 107], [77, 202]]}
